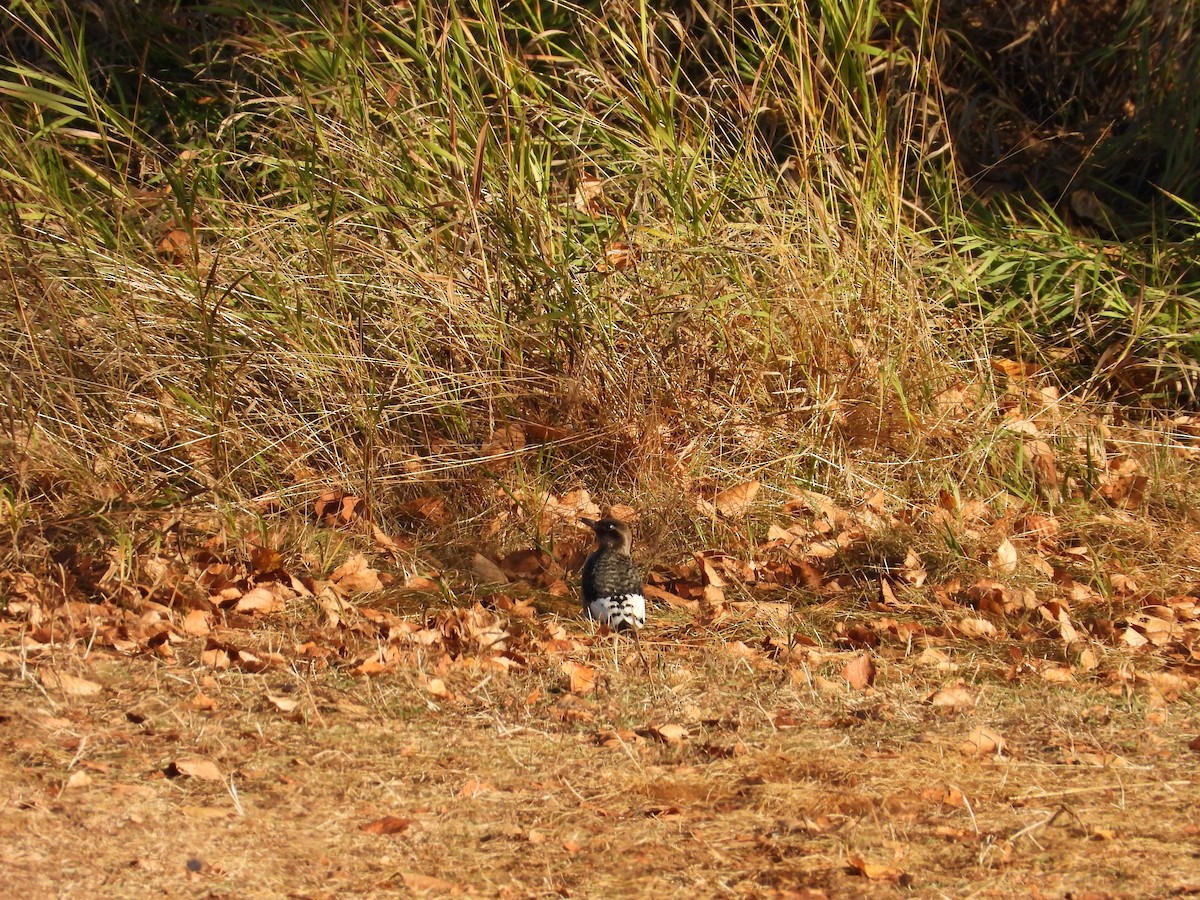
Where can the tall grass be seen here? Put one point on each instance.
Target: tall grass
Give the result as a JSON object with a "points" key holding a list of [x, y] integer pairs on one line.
{"points": [[341, 243]]}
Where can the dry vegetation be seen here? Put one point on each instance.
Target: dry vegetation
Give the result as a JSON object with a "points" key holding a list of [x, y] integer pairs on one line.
{"points": [[323, 327]]}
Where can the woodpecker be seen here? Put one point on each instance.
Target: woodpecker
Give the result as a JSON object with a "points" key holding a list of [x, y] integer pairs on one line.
{"points": [[612, 586]]}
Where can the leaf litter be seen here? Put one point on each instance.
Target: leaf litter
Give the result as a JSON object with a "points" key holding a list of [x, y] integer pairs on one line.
{"points": [[801, 690]]}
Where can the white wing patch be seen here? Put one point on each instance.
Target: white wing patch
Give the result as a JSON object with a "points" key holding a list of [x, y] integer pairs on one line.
{"points": [[619, 612]]}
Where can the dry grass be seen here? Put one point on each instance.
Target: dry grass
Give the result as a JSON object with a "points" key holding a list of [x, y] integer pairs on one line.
{"points": [[516, 787], [363, 293]]}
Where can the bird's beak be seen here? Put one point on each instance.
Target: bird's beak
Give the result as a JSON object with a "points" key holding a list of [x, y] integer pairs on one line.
{"points": [[590, 523]]}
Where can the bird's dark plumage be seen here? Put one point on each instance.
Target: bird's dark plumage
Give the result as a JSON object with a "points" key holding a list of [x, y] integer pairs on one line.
{"points": [[612, 585]]}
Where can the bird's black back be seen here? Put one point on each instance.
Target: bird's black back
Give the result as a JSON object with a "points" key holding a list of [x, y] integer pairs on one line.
{"points": [[609, 573]]}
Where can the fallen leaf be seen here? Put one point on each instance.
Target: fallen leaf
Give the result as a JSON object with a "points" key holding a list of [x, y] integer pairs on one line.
{"points": [[71, 685], [504, 443], [1005, 558], [389, 544], [176, 246], [215, 658], [425, 510], [1122, 584], [669, 734], [874, 872], [354, 575], [947, 796], [283, 704], [860, 671], [265, 559], [977, 628], [260, 600], [196, 623], [589, 194], [335, 508], [475, 787], [79, 779], [735, 502], [204, 769], [427, 883], [672, 600], [982, 742], [931, 656], [825, 685], [618, 255], [583, 678], [386, 825], [487, 571], [1013, 368], [955, 696]]}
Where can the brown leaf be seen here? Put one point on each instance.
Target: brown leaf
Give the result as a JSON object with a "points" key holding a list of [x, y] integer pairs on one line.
{"points": [[735, 502], [215, 658], [1124, 485], [976, 628], [71, 685], [583, 678], [931, 656], [913, 571], [426, 510], [196, 623], [335, 508], [504, 443], [711, 575], [1005, 558], [618, 255], [825, 685], [955, 696], [416, 582], [874, 872], [176, 246], [673, 600], [860, 671], [475, 787], [1058, 674], [982, 742], [204, 769], [388, 544], [386, 825], [260, 600], [947, 796], [670, 733], [283, 704], [1122, 584], [1013, 369], [354, 575], [264, 559], [428, 884], [487, 571], [589, 195]]}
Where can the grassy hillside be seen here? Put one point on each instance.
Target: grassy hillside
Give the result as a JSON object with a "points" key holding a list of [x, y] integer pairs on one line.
{"points": [[879, 319]]}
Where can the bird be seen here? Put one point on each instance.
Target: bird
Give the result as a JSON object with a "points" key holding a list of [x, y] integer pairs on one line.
{"points": [[612, 585]]}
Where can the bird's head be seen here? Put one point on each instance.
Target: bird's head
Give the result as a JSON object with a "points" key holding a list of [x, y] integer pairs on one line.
{"points": [[611, 534]]}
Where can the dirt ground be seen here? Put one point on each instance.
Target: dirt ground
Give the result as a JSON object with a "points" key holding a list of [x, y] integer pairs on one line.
{"points": [[722, 770]]}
